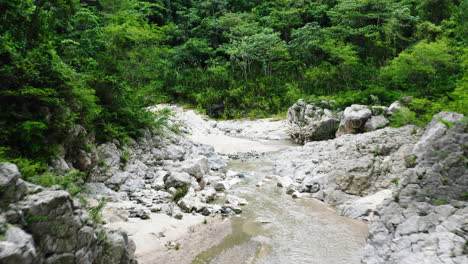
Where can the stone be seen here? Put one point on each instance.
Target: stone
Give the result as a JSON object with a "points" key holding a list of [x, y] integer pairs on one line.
{"points": [[284, 182], [376, 122], [219, 186], [354, 119], [9, 175], [234, 200], [394, 107], [178, 180], [378, 110], [197, 167], [365, 207], [296, 195], [17, 247], [310, 122]]}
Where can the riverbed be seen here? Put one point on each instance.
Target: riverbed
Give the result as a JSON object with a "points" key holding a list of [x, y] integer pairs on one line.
{"points": [[275, 228]]}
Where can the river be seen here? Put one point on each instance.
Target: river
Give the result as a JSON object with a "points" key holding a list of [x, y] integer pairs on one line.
{"points": [[274, 228]]}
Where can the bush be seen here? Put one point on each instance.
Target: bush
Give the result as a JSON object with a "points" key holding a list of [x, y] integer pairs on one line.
{"points": [[405, 117], [96, 212], [179, 194]]}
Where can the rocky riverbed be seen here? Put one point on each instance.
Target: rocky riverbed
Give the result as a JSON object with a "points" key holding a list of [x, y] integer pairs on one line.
{"points": [[241, 192]]}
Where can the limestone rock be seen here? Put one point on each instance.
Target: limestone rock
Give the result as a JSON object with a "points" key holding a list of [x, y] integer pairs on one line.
{"points": [[17, 247], [178, 180], [310, 122], [354, 120], [197, 167], [394, 107], [376, 122]]}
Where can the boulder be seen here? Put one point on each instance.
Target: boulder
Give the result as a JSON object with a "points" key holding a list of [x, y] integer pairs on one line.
{"points": [[219, 186], [394, 107], [234, 200], [376, 122], [197, 167], [310, 122], [17, 247], [9, 175], [379, 110], [284, 182], [354, 120], [365, 207], [178, 180]]}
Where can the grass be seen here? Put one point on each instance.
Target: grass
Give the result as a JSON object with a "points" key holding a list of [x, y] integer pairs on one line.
{"points": [[395, 181], [180, 193], [124, 158], [96, 212], [410, 161]]}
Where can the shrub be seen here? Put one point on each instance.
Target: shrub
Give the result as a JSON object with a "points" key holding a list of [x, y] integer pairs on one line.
{"points": [[96, 212], [180, 193], [405, 117]]}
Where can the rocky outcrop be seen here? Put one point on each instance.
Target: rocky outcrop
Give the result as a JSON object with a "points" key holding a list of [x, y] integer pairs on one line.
{"points": [[47, 226], [349, 166], [410, 184], [316, 121], [354, 120], [311, 122], [426, 221]]}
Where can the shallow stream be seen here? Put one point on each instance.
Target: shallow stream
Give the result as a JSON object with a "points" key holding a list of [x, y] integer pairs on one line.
{"points": [[277, 229]]}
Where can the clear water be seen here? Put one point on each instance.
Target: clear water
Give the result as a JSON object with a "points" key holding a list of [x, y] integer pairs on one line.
{"points": [[300, 230]]}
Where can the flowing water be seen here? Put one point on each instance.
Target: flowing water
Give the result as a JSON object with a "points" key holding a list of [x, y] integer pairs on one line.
{"points": [[298, 231]]}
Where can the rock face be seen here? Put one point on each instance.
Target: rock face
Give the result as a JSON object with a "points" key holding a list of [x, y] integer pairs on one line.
{"points": [[354, 120], [410, 185], [310, 122], [315, 121], [47, 226], [427, 222], [349, 166]]}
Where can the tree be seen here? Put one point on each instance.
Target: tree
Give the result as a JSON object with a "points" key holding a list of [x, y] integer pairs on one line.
{"points": [[426, 67]]}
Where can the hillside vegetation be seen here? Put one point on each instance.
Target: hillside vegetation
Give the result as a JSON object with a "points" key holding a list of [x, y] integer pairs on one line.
{"points": [[95, 64]]}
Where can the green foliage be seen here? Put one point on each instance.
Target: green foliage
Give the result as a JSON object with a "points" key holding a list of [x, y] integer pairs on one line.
{"points": [[464, 196], [125, 157], [410, 161], [405, 117], [425, 68], [71, 181], [395, 181], [179, 194], [96, 212], [438, 202], [98, 64]]}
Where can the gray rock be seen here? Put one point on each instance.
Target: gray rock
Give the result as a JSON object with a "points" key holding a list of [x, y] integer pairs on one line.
{"points": [[197, 167], [394, 107], [365, 207], [17, 247], [178, 180], [219, 186], [9, 175], [234, 200], [284, 182], [354, 119], [309, 122], [376, 122]]}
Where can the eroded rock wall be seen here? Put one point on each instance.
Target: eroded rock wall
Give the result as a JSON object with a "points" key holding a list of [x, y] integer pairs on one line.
{"points": [[409, 184], [39, 225]]}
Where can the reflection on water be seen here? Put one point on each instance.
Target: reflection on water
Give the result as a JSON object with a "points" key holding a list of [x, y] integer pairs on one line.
{"points": [[299, 231]]}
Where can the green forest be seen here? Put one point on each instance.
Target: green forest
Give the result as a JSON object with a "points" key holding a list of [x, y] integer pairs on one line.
{"points": [[96, 64]]}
